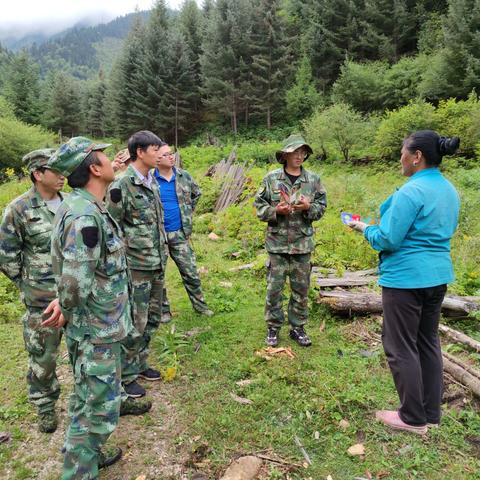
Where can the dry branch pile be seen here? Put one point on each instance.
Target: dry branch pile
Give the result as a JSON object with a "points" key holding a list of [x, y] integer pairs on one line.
{"points": [[233, 178]]}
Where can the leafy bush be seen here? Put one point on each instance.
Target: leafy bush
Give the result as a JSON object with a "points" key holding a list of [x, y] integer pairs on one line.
{"points": [[339, 128], [6, 110], [17, 139], [398, 124], [360, 85], [461, 118], [400, 82]]}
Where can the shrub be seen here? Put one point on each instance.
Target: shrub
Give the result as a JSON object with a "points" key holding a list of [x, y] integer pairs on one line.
{"points": [[461, 118], [17, 139], [338, 127], [398, 124], [400, 83], [360, 85]]}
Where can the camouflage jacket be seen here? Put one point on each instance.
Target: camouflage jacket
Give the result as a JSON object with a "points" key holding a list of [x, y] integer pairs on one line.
{"points": [[292, 233], [25, 258], [188, 194], [90, 266], [139, 212]]}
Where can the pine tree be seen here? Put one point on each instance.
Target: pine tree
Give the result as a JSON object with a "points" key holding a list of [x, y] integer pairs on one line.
{"points": [[270, 61], [95, 113], [126, 84], [180, 83], [226, 59], [149, 97], [303, 97], [461, 57], [63, 109], [22, 87], [191, 24]]}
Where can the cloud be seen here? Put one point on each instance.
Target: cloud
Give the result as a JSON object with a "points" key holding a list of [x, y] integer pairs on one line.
{"points": [[21, 17]]}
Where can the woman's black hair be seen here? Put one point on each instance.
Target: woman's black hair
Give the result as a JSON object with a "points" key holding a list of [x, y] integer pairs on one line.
{"points": [[80, 176], [432, 145], [142, 140]]}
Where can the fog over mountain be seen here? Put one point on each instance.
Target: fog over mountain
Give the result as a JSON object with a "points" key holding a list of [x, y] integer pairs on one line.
{"points": [[25, 22]]}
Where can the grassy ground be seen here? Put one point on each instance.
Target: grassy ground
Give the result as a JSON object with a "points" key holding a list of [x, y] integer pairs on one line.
{"points": [[196, 425]]}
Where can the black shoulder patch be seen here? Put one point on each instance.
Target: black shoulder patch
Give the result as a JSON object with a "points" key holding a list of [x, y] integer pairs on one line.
{"points": [[90, 236], [115, 195]]}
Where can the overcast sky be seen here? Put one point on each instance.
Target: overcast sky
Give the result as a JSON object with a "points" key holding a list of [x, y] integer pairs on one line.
{"points": [[21, 16]]}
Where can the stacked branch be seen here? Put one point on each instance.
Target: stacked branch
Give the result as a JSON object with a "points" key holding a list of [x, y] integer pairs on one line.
{"points": [[233, 178]]}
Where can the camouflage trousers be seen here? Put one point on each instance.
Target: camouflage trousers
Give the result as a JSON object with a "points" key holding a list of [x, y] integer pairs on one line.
{"points": [[147, 294], [94, 406], [42, 346], [297, 267], [181, 252]]}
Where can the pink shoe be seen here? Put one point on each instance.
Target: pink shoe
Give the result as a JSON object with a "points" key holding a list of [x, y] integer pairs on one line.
{"points": [[393, 420]]}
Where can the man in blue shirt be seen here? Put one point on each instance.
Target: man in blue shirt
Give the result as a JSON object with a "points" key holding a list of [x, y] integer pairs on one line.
{"points": [[179, 194]]}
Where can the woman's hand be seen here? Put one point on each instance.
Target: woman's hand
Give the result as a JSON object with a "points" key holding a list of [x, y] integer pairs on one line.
{"points": [[358, 226]]}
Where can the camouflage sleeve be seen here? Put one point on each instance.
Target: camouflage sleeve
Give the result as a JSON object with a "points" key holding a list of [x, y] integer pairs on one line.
{"points": [[81, 252], [11, 244], [114, 202], [265, 211], [319, 202], [196, 193]]}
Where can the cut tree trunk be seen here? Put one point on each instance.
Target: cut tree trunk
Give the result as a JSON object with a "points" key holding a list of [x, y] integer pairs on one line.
{"points": [[469, 368], [460, 337], [463, 376], [345, 302]]}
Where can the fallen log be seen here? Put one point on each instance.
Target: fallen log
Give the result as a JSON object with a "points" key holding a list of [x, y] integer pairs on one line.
{"points": [[471, 370], [463, 376], [345, 281], [345, 302], [460, 337]]}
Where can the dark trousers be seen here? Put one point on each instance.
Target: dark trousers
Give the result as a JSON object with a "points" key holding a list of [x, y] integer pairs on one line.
{"points": [[411, 344]]}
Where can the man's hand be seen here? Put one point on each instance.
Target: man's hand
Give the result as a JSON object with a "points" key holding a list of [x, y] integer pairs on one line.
{"points": [[358, 226], [56, 318], [283, 208], [302, 205], [120, 161]]}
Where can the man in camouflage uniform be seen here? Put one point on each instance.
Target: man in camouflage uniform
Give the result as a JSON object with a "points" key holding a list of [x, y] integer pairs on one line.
{"points": [[90, 266], [25, 259], [133, 200], [180, 195], [289, 199]]}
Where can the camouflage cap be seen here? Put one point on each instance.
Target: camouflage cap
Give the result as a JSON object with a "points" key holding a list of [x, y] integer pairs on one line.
{"points": [[71, 154], [37, 159], [291, 144]]}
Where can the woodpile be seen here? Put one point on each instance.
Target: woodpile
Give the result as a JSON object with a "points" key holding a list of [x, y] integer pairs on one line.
{"points": [[347, 302], [232, 176]]}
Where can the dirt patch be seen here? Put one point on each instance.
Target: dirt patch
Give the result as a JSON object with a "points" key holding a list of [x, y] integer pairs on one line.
{"points": [[148, 441]]}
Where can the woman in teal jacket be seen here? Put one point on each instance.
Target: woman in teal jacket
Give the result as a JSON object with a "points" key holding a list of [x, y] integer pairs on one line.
{"points": [[413, 238]]}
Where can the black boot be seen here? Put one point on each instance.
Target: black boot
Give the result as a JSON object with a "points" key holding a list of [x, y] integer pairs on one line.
{"points": [[299, 335], [109, 456], [129, 406], [272, 337]]}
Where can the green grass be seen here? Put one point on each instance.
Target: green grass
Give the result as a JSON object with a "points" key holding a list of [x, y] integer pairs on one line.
{"points": [[304, 397], [324, 384]]}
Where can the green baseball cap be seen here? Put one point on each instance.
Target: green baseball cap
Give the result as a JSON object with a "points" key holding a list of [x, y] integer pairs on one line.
{"points": [[37, 159], [71, 154], [291, 144]]}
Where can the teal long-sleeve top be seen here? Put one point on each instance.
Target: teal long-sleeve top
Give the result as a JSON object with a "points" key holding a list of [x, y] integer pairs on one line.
{"points": [[413, 237]]}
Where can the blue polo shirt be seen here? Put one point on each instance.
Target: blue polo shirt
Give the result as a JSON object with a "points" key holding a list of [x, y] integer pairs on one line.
{"points": [[413, 237], [168, 194]]}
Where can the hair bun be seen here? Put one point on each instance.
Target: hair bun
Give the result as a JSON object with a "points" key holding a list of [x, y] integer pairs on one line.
{"points": [[448, 146]]}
